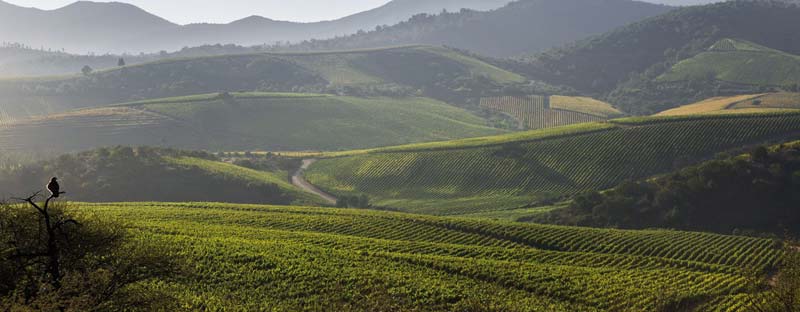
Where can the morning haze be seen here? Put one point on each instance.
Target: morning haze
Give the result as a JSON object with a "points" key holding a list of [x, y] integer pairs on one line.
{"points": [[404, 155]]}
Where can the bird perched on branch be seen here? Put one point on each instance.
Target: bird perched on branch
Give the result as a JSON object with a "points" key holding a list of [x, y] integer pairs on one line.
{"points": [[54, 188]]}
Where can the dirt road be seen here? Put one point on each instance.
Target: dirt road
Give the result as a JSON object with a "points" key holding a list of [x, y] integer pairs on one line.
{"points": [[299, 181]]}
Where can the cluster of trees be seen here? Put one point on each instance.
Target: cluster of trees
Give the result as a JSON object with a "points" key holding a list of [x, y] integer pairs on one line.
{"points": [[54, 258], [755, 193], [139, 174]]}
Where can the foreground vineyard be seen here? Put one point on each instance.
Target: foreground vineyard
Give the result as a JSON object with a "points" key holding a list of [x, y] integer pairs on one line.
{"points": [[517, 173], [285, 258]]}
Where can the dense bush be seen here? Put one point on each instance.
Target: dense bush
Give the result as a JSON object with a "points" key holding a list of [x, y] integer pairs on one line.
{"points": [[758, 192]]}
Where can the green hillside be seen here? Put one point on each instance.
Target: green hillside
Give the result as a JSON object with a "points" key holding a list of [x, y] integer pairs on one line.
{"points": [[513, 171], [151, 174], [738, 61], [436, 72], [306, 259], [249, 121]]}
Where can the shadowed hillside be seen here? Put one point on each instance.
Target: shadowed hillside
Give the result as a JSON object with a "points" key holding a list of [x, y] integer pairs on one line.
{"points": [[435, 72], [151, 174]]}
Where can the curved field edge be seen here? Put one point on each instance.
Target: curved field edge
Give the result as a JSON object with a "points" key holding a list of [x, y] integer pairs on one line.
{"points": [[245, 254], [477, 142]]}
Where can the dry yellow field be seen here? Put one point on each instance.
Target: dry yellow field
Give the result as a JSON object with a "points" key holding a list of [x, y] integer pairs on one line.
{"points": [[714, 104], [771, 101], [584, 105]]}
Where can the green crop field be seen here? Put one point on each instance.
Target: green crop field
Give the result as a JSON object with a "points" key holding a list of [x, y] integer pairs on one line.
{"points": [[539, 112], [466, 179], [741, 62], [296, 259], [251, 121]]}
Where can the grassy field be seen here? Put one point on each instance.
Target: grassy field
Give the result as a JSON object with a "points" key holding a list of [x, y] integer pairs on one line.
{"points": [[251, 121], [453, 179], [738, 61], [539, 112], [740, 104], [306, 259]]}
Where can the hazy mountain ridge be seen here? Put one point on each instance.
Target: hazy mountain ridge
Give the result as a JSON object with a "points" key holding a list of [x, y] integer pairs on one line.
{"points": [[85, 26], [524, 26]]}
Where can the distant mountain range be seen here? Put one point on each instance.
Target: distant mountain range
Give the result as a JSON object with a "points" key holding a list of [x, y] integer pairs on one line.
{"points": [[117, 27]]}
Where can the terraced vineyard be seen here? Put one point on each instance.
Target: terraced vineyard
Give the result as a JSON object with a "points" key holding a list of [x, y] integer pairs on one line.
{"points": [[507, 174], [249, 121], [286, 258], [538, 112]]}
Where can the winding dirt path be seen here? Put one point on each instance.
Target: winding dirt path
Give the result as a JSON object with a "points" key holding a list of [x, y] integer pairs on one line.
{"points": [[299, 181]]}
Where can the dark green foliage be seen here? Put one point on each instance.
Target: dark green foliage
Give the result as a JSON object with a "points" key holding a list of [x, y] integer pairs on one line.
{"points": [[97, 262], [139, 174], [86, 70], [353, 202], [753, 193]]}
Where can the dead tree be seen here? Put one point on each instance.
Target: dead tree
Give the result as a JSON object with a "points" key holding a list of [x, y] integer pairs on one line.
{"points": [[53, 230]]}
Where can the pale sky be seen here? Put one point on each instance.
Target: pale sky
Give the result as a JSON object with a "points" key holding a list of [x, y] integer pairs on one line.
{"points": [[224, 11]]}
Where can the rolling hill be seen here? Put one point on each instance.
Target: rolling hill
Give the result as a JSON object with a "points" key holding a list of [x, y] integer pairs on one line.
{"points": [[741, 104], [152, 174], [622, 66], [522, 27], [86, 26], [248, 121], [437, 72], [739, 62], [298, 258], [536, 167]]}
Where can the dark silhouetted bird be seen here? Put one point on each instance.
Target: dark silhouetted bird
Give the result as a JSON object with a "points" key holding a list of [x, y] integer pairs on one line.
{"points": [[53, 187]]}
